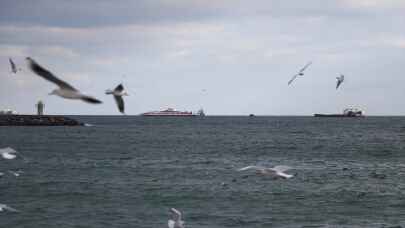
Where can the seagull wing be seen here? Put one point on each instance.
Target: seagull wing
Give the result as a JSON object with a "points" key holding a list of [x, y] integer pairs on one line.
{"points": [[339, 80], [8, 156], [13, 67], [119, 88], [120, 103], [281, 168], [305, 67], [8, 150], [89, 99], [176, 213], [292, 79], [284, 175], [10, 209], [338, 83], [44, 73], [4, 206], [251, 167]]}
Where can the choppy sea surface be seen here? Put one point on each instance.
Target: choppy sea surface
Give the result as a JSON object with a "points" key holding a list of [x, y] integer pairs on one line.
{"points": [[128, 171]]}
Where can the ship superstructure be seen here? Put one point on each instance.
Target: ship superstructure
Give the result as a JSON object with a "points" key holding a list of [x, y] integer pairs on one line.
{"points": [[169, 112]]}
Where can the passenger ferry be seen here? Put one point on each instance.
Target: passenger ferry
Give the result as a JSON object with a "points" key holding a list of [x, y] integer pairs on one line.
{"points": [[173, 112]]}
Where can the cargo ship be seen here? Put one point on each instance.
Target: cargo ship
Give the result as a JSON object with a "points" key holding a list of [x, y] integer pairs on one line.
{"points": [[173, 112], [349, 112]]}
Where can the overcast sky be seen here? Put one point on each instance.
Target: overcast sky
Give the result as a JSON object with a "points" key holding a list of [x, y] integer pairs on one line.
{"points": [[227, 56]]}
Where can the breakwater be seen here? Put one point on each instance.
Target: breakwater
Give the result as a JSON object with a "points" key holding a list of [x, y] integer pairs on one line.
{"points": [[36, 120]]}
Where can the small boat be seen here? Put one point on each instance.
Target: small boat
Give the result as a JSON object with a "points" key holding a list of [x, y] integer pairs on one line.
{"points": [[349, 112]]}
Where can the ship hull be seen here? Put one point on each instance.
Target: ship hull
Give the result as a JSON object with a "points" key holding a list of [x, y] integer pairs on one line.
{"points": [[337, 116], [170, 112], [169, 115]]}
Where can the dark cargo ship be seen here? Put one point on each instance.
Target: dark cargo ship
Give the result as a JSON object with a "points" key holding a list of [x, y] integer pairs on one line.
{"points": [[349, 112]]}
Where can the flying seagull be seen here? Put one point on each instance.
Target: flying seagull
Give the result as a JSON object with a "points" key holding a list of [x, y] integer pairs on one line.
{"points": [[65, 90], [300, 73], [339, 80], [277, 171], [176, 222], [14, 68], [118, 92], [4, 207], [8, 153], [15, 173]]}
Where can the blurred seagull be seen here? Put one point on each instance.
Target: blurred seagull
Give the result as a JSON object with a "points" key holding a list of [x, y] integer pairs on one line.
{"points": [[14, 68], [15, 173], [65, 90], [8, 153], [118, 92], [4, 207], [300, 73], [277, 171], [176, 222], [339, 80]]}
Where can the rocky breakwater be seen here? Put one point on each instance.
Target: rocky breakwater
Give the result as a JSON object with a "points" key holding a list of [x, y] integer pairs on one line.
{"points": [[35, 120]]}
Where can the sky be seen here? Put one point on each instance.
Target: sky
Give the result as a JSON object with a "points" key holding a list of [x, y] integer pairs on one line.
{"points": [[229, 57]]}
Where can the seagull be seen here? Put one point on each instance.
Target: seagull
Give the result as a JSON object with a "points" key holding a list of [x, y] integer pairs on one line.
{"points": [[176, 222], [8, 153], [65, 90], [118, 92], [14, 68], [15, 173], [300, 73], [339, 80], [4, 207], [277, 171]]}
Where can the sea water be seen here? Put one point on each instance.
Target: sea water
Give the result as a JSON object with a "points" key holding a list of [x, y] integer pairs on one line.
{"points": [[129, 171]]}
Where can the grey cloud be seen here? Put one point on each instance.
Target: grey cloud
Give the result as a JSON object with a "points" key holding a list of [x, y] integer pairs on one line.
{"points": [[99, 13], [77, 13]]}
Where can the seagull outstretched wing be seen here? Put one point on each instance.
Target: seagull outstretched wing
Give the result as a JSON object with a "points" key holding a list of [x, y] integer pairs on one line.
{"points": [[13, 66], [120, 103], [339, 80], [281, 168], [305, 67], [8, 208], [251, 167], [44, 73], [293, 78], [90, 99]]}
